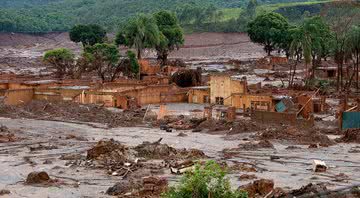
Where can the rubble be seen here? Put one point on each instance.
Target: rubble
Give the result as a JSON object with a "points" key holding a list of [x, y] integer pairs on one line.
{"points": [[6, 135], [258, 188], [308, 190], [301, 136], [156, 150], [120, 188], [262, 144], [350, 136], [147, 187], [68, 111]]}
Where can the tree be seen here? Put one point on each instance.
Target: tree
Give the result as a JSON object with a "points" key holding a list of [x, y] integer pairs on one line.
{"points": [[172, 36], [316, 34], [140, 32], [341, 16], [300, 46], [205, 181], [320, 37], [268, 29], [62, 60], [104, 59], [134, 64], [353, 47], [87, 34]]}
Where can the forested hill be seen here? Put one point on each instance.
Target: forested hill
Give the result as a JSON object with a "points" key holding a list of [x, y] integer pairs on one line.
{"points": [[60, 15]]}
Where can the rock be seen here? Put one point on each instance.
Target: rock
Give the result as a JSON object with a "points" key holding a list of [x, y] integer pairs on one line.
{"points": [[4, 192], [37, 178], [260, 187]]}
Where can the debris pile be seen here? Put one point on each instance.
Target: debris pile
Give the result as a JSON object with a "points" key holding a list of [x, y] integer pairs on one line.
{"points": [[6, 135], [68, 111], [239, 126], [179, 123], [156, 150], [350, 136], [262, 144], [258, 188], [147, 187], [305, 136]]}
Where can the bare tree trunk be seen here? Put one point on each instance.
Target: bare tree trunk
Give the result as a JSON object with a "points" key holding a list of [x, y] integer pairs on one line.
{"points": [[139, 54], [357, 70]]}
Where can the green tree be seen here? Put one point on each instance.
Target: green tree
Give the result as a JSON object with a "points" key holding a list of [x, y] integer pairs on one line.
{"points": [[141, 32], [353, 47], [62, 60], [268, 29], [104, 59], [320, 38], [300, 46], [205, 181], [134, 64], [172, 36], [87, 34]]}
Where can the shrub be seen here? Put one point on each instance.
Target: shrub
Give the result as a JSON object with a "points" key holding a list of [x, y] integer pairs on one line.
{"points": [[205, 181]]}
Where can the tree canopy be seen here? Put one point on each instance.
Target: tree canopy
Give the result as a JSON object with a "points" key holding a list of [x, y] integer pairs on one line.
{"points": [[172, 36], [61, 59], [268, 30], [87, 34], [140, 32], [104, 59]]}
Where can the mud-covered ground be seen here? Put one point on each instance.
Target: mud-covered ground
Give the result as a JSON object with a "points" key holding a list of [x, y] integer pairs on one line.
{"points": [[21, 53], [41, 146]]}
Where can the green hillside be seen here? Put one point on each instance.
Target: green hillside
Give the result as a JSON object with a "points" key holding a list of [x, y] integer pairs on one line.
{"points": [[60, 15]]}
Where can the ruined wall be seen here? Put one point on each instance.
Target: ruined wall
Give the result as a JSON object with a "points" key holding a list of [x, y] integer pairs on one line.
{"points": [[156, 94], [259, 102], [107, 99], [173, 97], [275, 60], [49, 95], [199, 96], [309, 107], [147, 68], [19, 96], [157, 79], [56, 94], [223, 86], [281, 118], [274, 117]]}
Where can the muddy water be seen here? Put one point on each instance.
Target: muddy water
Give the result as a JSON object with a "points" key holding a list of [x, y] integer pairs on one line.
{"points": [[292, 170]]}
